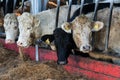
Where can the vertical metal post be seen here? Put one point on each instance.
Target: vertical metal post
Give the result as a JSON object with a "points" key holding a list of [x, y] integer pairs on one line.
{"points": [[14, 5], [57, 13], [95, 11], [36, 53], [32, 6], [22, 5], [108, 26], [94, 19], [82, 4], [44, 7], [35, 6], [69, 10], [6, 6]]}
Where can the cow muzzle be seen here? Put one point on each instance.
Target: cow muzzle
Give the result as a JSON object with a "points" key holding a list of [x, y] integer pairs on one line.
{"points": [[85, 48], [21, 44], [9, 41]]}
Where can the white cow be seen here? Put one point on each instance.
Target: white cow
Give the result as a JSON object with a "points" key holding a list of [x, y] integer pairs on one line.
{"points": [[11, 22], [80, 35], [11, 27], [34, 26]]}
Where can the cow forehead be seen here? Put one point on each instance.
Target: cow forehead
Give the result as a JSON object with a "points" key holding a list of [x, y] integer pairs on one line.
{"points": [[81, 22], [25, 18], [10, 17], [82, 19]]}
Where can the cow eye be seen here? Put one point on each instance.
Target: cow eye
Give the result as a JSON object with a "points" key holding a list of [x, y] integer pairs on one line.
{"points": [[15, 27], [28, 28]]}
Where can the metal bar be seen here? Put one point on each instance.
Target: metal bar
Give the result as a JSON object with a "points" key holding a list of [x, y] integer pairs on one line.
{"points": [[14, 5], [38, 41], [45, 4], [36, 6], [57, 13], [22, 5], [94, 19], [69, 10], [95, 11], [82, 5], [108, 26], [36, 53], [6, 7]]}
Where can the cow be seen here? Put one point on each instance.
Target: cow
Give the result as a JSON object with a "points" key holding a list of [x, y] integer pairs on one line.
{"points": [[11, 23], [10, 27], [52, 13], [32, 27], [81, 36], [75, 35]]}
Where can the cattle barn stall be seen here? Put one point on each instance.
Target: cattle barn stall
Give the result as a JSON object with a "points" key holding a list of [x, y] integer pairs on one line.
{"points": [[91, 68]]}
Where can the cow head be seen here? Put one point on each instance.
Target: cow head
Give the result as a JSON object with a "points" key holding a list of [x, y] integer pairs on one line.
{"points": [[82, 29], [11, 27], [28, 26]]}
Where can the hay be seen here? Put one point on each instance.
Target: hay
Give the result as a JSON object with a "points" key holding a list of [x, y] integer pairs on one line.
{"points": [[12, 68]]}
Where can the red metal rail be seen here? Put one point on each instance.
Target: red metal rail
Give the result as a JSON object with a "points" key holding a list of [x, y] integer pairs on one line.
{"points": [[92, 69]]}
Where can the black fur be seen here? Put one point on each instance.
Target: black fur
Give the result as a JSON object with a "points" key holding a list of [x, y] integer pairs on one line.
{"points": [[64, 44]]}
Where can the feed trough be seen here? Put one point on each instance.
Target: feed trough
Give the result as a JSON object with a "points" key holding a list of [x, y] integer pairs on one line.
{"points": [[91, 68]]}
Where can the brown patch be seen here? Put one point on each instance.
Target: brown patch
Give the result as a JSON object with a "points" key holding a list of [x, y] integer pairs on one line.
{"points": [[1, 21], [32, 37], [81, 19]]}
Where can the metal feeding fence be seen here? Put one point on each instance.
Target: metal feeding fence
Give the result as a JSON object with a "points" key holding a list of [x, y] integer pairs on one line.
{"points": [[90, 68], [83, 10], [39, 5]]}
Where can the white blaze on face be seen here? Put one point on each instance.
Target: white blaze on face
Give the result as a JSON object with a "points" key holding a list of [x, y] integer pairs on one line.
{"points": [[11, 27], [25, 29], [82, 37]]}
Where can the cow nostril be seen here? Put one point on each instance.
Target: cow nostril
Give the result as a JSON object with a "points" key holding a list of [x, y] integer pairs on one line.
{"points": [[86, 47], [19, 43]]}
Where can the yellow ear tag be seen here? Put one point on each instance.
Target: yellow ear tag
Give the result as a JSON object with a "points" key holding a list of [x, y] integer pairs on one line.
{"points": [[96, 26], [67, 28], [47, 41]]}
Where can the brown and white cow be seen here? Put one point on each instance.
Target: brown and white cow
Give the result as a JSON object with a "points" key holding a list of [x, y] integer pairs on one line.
{"points": [[82, 28], [34, 26], [11, 27], [82, 35]]}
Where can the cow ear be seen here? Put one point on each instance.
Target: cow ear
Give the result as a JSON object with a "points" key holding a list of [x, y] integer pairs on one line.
{"points": [[97, 25], [66, 27], [36, 22]]}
